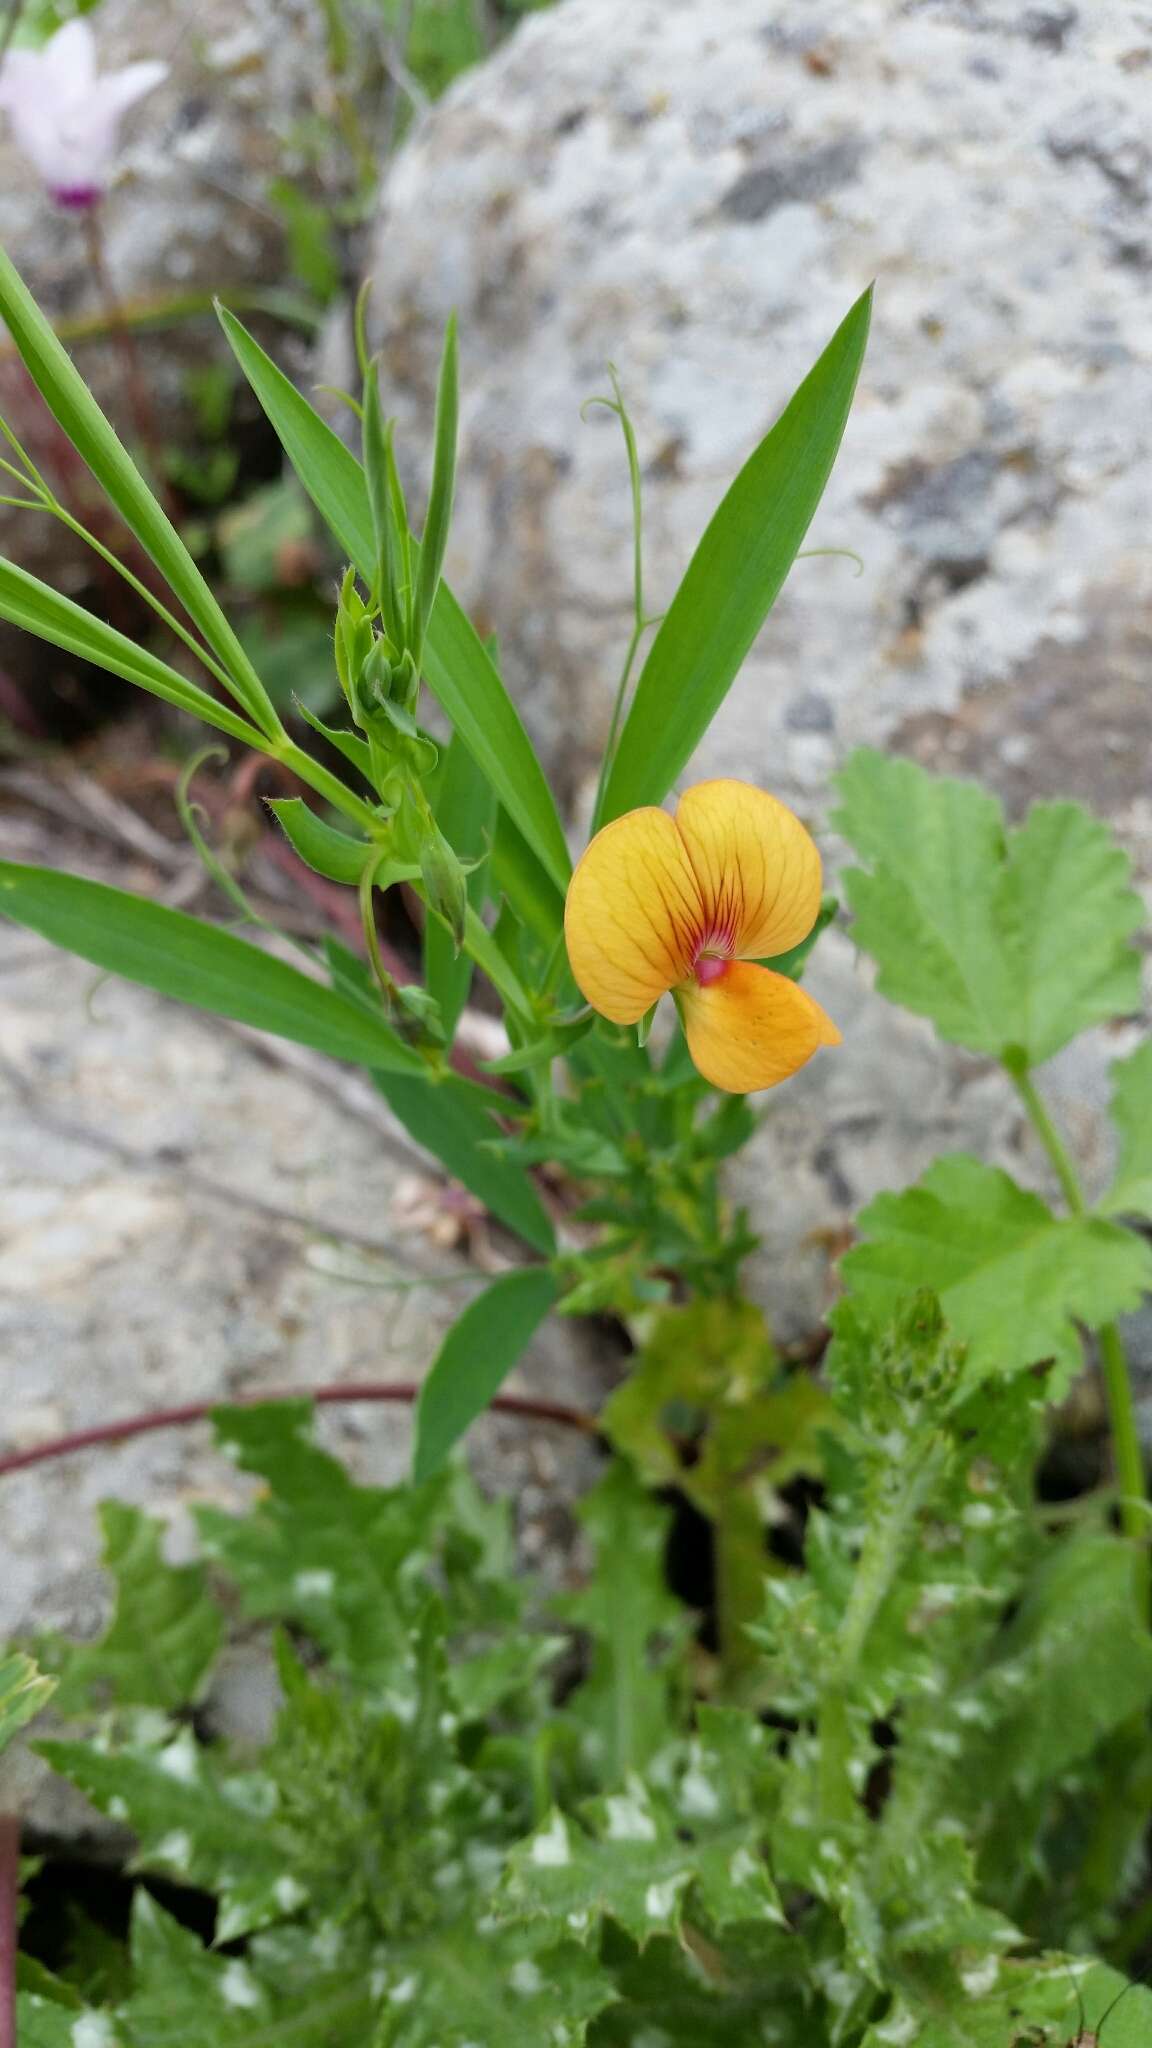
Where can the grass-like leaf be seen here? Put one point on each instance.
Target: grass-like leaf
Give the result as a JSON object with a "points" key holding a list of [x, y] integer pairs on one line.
{"points": [[459, 671], [198, 964], [35, 607], [734, 577], [477, 1354], [76, 411]]}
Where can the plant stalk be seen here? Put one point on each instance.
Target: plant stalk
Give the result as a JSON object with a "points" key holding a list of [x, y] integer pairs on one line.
{"points": [[1127, 1455], [9, 1899]]}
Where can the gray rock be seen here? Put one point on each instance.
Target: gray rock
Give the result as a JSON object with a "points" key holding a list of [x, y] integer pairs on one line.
{"points": [[153, 1163], [700, 204]]}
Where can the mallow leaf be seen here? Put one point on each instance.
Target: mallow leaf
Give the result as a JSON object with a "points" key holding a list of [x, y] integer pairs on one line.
{"points": [[1131, 1191], [1010, 941], [1013, 1280]]}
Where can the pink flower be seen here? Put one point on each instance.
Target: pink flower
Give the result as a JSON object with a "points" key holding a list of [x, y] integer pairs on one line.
{"points": [[65, 116]]}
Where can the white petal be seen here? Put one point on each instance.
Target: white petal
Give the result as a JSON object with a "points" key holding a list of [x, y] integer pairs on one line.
{"points": [[121, 89], [71, 54], [20, 76]]}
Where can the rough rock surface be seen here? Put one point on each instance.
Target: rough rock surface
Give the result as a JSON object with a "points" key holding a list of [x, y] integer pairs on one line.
{"points": [[146, 1152], [697, 194]]}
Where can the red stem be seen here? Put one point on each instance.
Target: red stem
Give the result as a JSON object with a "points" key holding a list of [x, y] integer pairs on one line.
{"points": [[9, 1895], [198, 1411]]}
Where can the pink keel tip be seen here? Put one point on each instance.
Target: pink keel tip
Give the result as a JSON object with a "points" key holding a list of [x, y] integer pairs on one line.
{"points": [[77, 198], [708, 967]]}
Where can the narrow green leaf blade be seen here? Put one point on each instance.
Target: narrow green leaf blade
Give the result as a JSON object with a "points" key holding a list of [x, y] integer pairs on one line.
{"points": [[76, 411], [36, 608], [460, 673], [477, 1354], [453, 1122], [733, 578], [466, 814], [440, 496], [198, 964]]}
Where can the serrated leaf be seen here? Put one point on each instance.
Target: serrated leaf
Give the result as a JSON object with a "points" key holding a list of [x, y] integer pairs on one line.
{"points": [[624, 1707], [164, 1634], [1075, 1664], [1013, 1280], [24, 1689], [194, 1822], [188, 1997], [1011, 942], [638, 1857], [42, 2023], [1131, 1191], [338, 1560], [467, 1986]]}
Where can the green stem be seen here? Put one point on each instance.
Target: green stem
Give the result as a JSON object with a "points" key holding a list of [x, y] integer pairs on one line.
{"points": [[1049, 1136], [1126, 1451], [881, 1556]]}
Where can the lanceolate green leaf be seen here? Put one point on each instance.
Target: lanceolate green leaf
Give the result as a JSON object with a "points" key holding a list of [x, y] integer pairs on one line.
{"points": [[198, 964], [37, 608], [733, 578], [76, 411], [459, 671], [454, 1123], [477, 1354], [452, 1118]]}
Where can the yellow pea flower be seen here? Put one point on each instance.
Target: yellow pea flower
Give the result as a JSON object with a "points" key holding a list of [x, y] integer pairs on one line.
{"points": [[687, 904]]}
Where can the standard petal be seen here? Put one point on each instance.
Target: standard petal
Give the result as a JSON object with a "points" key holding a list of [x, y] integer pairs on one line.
{"points": [[633, 918], [757, 866], [71, 56], [751, 1028]]}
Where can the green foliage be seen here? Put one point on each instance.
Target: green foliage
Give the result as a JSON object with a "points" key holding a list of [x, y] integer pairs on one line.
{"points": [[197, 964], [1014, 1280], [733, 578], [164, 1634], [23, 1691], [1131, 1191], [475, 1358], [435, 1850], [1010, 941]]}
